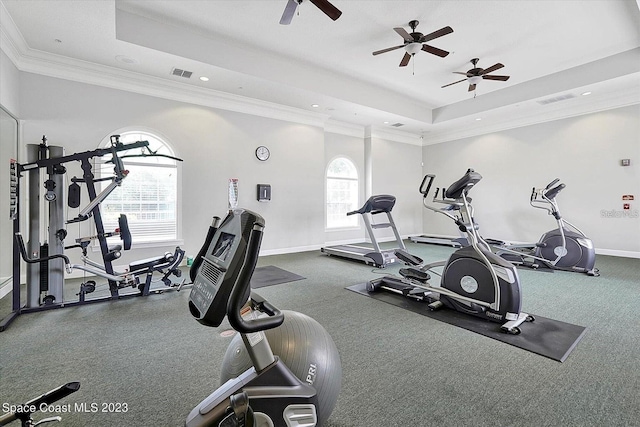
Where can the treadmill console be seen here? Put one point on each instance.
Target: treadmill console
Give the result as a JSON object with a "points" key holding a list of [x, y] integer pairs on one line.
{"points": [[221, 264]]}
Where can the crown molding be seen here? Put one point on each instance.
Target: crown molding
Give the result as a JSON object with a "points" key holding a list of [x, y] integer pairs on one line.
{"points": [[11, 40], [393, 135], [343, 128], [47, 64]]}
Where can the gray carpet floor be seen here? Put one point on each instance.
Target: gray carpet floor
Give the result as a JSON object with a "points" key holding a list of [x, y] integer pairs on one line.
{"points": [[399, 368]]}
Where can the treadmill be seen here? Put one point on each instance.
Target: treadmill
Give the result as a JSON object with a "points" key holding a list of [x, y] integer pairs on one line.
{"points": [[382, 203]]}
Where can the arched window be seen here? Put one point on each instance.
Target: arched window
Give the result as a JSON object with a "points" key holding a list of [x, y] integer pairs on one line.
{"points": [[148, 195], [342, 193]]}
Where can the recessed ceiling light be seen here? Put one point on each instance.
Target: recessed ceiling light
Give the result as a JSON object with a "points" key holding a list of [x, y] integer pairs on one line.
{"points": [[204, 79], [315, 105], [586, 93], [478, 119], [126, 59], [386, 123]]}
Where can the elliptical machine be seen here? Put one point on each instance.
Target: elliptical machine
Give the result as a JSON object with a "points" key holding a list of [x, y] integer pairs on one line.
{"points": [[301, 387], [560, 249], [474, 280]]}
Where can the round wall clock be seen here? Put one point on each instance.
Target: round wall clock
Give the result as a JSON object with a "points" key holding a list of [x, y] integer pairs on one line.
{"points": [[262, 153]]}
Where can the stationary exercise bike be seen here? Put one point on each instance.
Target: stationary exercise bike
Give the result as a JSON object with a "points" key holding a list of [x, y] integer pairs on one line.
{"points": [[563, 248], [299, 388], [474, 280]]}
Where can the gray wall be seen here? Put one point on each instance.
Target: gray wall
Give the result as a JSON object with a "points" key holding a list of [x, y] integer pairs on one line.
{"points": [[584, 152]]}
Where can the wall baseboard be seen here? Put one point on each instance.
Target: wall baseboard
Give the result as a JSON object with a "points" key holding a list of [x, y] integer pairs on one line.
{"points": [[615, 252], [5, 286], [296, 249]]}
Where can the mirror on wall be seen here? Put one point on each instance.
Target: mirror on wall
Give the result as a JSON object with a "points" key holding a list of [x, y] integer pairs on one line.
{"points": [[8, 152]]}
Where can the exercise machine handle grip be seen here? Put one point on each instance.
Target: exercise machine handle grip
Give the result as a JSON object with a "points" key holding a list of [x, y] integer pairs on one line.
{"points": [[45, 399], [551, 184], [534, 194], [426, 186], [238, 295], [551, 194], [23, 252]]}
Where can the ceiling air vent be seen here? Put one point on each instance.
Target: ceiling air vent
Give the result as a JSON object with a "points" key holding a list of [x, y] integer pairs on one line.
{"points": [[181, 73], [397, 125], [556, 99]]}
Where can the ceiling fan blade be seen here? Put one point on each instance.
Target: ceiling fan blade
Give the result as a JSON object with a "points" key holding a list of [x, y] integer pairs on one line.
{"points": [[434, 50], [289, 11], [472, 88], [459, 81], [460, 72], [403, 33], [491, 69], [330, 10], [441, 32], [405, 59], [501, 78], [378, 52]]}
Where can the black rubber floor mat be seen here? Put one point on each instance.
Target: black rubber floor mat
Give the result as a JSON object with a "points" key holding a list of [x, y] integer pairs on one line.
{"points": [[272, 275], [547, 337]]}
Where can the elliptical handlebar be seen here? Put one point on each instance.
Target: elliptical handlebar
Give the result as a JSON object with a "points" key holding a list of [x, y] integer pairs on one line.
{"points": [[551, 184], [238, 296], [551, 194], [424, 190]]}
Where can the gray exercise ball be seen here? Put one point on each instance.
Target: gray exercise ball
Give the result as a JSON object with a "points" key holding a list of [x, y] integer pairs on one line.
{"points": [[299, 342]]}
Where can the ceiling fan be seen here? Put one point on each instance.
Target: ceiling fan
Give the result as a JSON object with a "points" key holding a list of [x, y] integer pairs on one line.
{"points": [[290, 9], [475, 75], [415, 42]]}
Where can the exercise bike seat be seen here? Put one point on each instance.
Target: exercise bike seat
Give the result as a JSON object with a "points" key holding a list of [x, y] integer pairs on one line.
{"points": [[414, 273], [408, 258]]}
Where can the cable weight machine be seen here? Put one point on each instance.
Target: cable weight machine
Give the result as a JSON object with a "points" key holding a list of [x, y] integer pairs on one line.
{"points": [[46, 262]]}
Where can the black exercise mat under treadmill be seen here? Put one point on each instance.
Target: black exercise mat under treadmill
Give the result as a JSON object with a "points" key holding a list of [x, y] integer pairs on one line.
{"points": [[272, 275], [547, 337]]}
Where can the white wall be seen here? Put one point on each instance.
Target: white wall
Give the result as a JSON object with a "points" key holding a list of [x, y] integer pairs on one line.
{"points": [[215, 145], [9, 85], [584, 152], [351, 147], [396, 168]]}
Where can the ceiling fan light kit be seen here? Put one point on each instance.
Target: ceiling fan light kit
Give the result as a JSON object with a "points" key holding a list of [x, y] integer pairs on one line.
{"points": [[413, 48], [477, 74], [414, 42]]}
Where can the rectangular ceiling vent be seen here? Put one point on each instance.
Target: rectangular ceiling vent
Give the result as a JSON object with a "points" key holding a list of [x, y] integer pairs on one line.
{"points": [[556, 99], [397, 125], [181, 73]]}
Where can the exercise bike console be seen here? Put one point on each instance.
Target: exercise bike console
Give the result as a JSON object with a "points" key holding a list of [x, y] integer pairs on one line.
{"points": [[222, 268]]}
